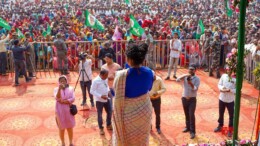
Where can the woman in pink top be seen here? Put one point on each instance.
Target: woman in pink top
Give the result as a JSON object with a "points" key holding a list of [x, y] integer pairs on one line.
{"points": [[64, 98]]}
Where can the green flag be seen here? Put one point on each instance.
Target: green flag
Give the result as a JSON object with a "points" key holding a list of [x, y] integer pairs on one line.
{"points": [[20, 34], [135, 28], [91, 21], [4, 24], [228, 9], [47, 32], [200, 29], [128, 2]]}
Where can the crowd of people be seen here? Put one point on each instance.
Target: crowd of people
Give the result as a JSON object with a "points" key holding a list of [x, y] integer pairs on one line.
{"points": [[42, 21]]}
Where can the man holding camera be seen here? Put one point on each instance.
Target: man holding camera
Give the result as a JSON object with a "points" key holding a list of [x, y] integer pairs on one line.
{"points": [[85, 76], [190, 87]]}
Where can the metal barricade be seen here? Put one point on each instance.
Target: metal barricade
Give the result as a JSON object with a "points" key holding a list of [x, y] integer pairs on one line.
{"points": [[45, 56]]}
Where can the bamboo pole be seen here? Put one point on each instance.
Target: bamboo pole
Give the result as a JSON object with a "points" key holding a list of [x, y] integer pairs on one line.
{"points": [[239, 72]]}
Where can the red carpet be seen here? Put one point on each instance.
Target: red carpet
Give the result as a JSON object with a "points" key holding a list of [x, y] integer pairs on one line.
{"points": [[27, 114]]}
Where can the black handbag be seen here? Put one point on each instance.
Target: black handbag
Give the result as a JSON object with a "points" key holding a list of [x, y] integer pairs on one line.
{"points": [[73, 109]]}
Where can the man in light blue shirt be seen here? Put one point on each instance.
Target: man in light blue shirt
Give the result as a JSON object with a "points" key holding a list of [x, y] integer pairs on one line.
{"points": [[191, 84]]}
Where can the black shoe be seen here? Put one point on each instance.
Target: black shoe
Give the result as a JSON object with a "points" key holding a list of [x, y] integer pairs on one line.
{"points": [[174, 77], [218, 129], [66, 72], [92, 104], [206, 70], [28, 80], [218, 75], [31, 75], [185, 130], [17, 84], [210, 73], [159, 131], [229, 134], [192, 135], [168, 78], [83, 103]]}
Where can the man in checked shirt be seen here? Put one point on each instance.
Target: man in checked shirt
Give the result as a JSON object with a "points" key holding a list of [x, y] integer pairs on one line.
{"points": [[155, 94]]}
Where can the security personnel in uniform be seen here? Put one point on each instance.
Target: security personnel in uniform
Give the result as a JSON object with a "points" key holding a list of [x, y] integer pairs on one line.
{"points": [[206, 50], [29, 55], [215, 54]]}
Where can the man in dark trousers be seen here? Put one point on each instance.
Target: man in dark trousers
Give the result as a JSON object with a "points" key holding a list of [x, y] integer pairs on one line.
{"points": [[19, 61], [30, 55], [155, 94], [191, 84]]}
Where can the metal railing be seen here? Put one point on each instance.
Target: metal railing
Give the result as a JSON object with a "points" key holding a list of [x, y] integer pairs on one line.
{"points": [[46, 55]]}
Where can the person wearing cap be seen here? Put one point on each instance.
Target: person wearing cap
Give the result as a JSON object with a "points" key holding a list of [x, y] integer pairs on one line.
{"points": [[61, 54], [19, 61], [176, 48], [30, 55], [215, 55], [227, 88], [191, 84], [3, 55], [105, 50], [155, 95]]}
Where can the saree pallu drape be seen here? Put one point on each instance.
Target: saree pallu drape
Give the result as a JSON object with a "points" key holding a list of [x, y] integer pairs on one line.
{"points": [[131, 116]]}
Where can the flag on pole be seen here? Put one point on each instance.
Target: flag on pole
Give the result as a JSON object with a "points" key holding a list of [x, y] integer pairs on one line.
{"points": [[91, 21], [228, 8], [20, 34], [4, 24], [200, 29], [47, 32], [135, 28], [128, 2]]}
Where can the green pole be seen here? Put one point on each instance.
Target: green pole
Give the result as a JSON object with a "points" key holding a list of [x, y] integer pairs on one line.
{"points": [[239, 72]]}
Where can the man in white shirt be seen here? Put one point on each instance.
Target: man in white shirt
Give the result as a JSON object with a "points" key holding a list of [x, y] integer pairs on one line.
{"points": [[227, 88], [3, 55], [85, 78], [176, 47], [100, 90]]}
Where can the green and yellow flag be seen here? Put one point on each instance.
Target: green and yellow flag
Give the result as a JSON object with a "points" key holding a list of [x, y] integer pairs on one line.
{"points": [[91, 21], [200, 29], [20, 34], [135, 28], [47, 32], [128, 2], [4, 24], [229, 11]]}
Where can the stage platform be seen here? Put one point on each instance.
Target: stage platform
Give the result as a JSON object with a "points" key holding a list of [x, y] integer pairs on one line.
{"points": [[27, 116]]}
